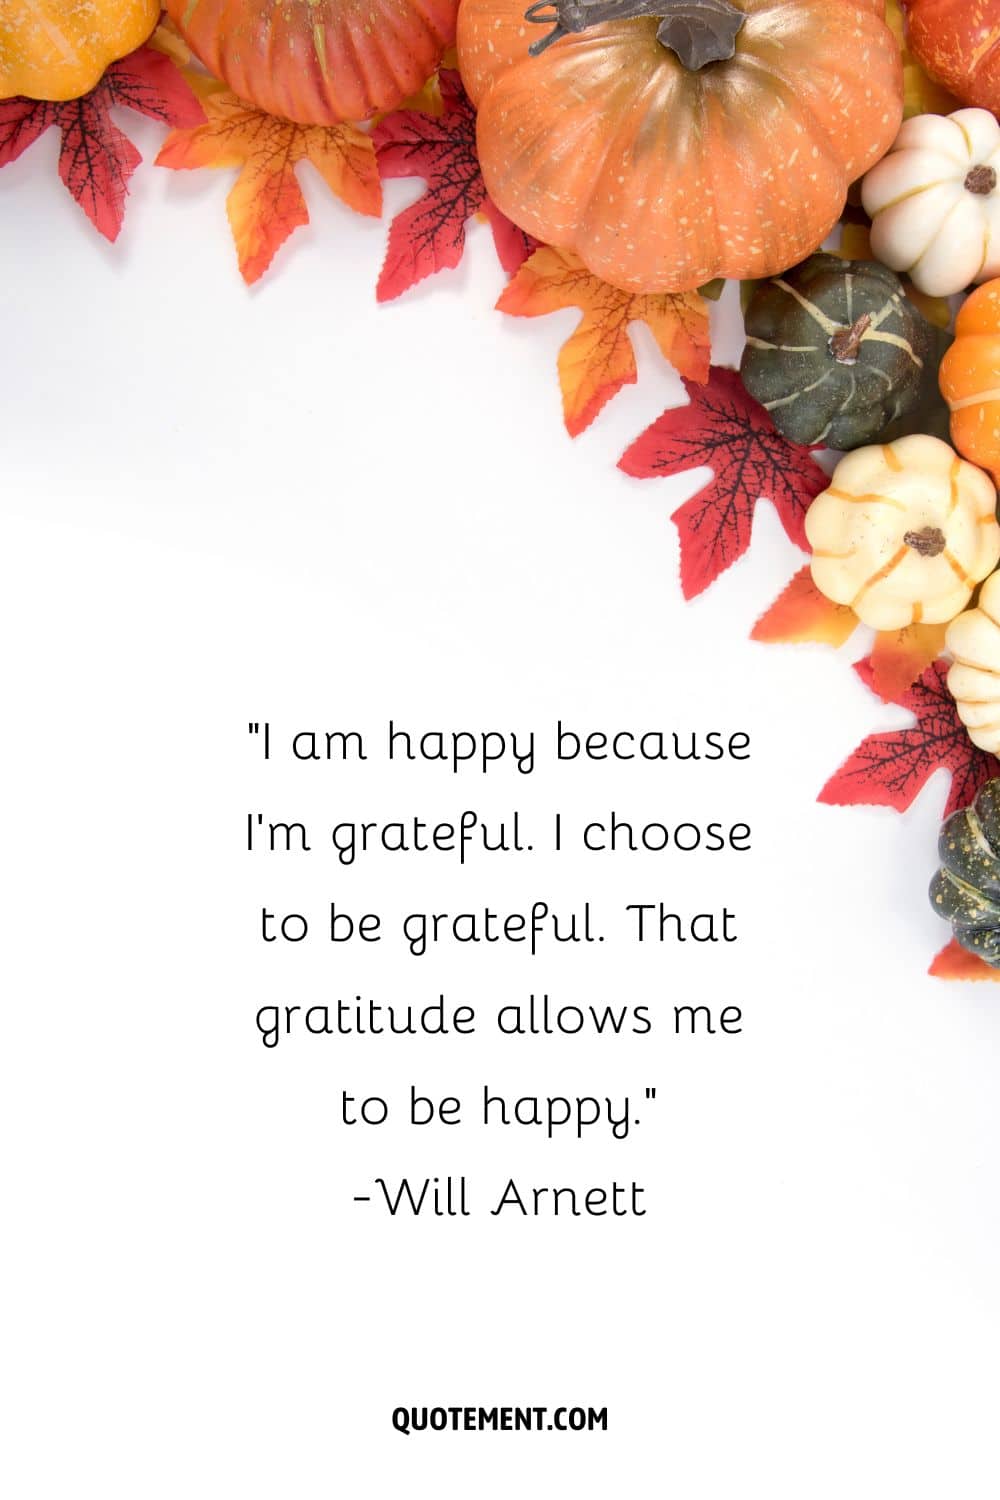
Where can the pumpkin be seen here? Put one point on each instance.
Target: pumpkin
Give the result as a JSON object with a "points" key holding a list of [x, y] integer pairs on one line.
{"points": [[318, 61], [970, 379], [834, 351], [934, 201], [58, 49], [966, 889], [958, 43], [974, 680], [904, 533], [717, 141]]}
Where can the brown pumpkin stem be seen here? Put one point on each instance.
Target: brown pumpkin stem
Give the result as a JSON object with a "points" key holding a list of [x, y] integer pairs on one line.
{"points": [[930, 542], [981, 180], [845, 346], [699, 32]]}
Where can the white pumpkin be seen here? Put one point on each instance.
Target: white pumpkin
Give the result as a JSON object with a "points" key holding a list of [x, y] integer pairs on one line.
{"points": [[934, 201], [904, 533], [974, 680]]}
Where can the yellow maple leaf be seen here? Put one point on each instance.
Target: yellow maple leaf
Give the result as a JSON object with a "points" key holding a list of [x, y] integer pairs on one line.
{"points": [[921, 95], [598, 359], [167, 39], [266, 203]]}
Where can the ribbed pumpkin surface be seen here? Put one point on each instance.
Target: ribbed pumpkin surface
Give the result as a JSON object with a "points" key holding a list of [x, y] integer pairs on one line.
{"points": [[970, 379], [660, 178], [798, 323], [958, 42], [966, 889], [58, 49], [319, 61]]}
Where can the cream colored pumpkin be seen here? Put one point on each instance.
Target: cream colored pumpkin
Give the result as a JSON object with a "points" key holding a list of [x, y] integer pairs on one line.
{"points": [[934, 201], [974, 681], [904, 533]]}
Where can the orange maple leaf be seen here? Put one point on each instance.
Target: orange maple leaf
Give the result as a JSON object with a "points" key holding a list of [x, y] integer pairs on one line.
{"points": [[954, 962], [899, 657], [266, 203], [598, 359], [802, 613]]}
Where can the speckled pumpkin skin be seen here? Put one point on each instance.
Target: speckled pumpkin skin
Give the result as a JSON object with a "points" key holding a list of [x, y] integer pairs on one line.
{"points": [[661, 179], [789, 364], [970, 379], [319, 61], [58, 49], [958, 43], [966, 889]]}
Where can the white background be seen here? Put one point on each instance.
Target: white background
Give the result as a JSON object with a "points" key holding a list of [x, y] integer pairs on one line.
{"points": [[294, 505]]}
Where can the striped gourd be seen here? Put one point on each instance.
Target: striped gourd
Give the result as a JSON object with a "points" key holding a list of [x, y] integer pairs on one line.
{"points": [[966, 889], [835, 351]]}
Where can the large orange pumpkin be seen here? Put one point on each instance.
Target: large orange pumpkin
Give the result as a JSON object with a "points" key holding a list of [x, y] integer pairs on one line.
{"points": [[958, 43], [58, 49], [970, 379], [661, 175], [319, 61]]}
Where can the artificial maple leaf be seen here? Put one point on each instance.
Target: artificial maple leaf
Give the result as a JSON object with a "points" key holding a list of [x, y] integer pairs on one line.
{"points": [[921, 95], [97, 161], [429, 236], [725, 430], [598, 359], [956, 962], [802, 613], [266, 203], [900, 657], [426, 100], [890, 768], [166, 38]]}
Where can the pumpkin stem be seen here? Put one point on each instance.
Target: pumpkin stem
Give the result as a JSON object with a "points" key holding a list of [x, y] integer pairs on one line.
{"points": [[981, 180], [930, 542], [845, 346], [699, 32]]}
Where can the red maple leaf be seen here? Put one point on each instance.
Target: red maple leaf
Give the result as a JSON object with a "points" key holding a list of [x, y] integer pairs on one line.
{"points": [[97, 160], [889, 769], [429, 236], [725, 430]]}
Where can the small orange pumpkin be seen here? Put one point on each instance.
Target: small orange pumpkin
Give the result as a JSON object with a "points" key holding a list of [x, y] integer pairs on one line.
{"points": [[970, 379], [58, 49], [665, 163], [958, 43], [319, 61]]}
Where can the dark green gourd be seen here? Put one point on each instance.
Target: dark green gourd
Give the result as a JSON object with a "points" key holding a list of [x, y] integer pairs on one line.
{"points": [[835, 351], [966, 889]]}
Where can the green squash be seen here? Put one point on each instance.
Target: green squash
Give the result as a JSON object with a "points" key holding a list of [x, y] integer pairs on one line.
{"points": [[836, 352], [966, 889]]}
